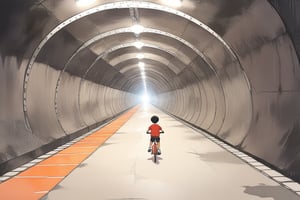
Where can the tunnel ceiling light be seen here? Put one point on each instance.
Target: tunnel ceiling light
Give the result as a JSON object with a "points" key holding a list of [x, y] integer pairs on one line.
{"points": [[138, 44], [137, 28], [173, 3], [84, 2], [141, 64], [140, 56]]}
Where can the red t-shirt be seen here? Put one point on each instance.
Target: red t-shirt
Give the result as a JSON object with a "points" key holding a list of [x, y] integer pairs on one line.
{"points": [[154, 128]]}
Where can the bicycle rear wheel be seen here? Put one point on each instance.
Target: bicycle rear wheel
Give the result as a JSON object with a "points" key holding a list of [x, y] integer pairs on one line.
{"points": [[154, 152]]}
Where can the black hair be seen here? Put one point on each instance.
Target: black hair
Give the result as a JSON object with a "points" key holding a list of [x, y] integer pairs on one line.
{"points": [[154, 119]]}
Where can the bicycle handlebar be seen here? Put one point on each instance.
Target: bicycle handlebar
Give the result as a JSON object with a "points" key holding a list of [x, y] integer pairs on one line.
{"points": [[148, 132]]}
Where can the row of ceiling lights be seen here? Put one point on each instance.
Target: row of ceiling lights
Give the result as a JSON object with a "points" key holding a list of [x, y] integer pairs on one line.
{"points": [[137, 29]]}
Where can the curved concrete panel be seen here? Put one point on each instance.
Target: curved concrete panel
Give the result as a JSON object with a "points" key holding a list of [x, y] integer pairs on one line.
{"points": [[41, 111], [68, 110], [16, 138], [87, 100]]}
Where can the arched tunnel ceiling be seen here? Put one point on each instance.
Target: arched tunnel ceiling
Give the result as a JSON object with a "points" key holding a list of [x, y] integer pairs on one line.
{"points": [[172, 39], [164, 41], [166, 56]]}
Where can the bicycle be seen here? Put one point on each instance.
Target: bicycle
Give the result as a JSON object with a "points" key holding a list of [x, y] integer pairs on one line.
{"points": [[154, 151], [154, 148]]}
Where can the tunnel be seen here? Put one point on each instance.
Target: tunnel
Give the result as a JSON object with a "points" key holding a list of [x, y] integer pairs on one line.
{"points": [[227, 67]]}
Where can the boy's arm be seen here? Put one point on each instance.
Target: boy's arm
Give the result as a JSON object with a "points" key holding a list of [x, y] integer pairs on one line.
{"points": [[161, 131], [148, 131]]}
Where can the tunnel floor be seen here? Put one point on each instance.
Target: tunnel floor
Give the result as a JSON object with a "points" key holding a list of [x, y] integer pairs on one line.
{"points": [[192, 166]]}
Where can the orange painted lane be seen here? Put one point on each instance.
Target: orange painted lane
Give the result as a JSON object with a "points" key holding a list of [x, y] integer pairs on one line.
{"points": [[48, 171], [26, 188], [64, 159], [86, 144], [75, 150], [38, 180]]}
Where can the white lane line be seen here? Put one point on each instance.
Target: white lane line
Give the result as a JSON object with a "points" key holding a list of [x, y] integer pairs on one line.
{"points": [[44, 156], [283, 179], [262, 168], [51, 153], [4, 178], [10, 174], [28, 165], [257, 164], [293, 185], [60, 148], [272, 173], [36, 160], [41, 192], [20, 169]]}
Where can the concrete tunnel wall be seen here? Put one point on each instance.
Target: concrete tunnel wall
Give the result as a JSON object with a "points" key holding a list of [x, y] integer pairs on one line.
{"points": [[252, 102], [63, 97], [249, 99], [80, 106]]}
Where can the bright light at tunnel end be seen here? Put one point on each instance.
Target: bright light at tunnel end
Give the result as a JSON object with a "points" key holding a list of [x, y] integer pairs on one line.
{"points": [[145, 99]]}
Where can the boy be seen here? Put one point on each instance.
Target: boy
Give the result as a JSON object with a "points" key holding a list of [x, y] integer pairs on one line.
{"points": [[155, 130]]}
